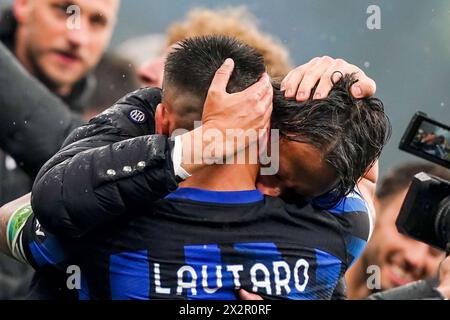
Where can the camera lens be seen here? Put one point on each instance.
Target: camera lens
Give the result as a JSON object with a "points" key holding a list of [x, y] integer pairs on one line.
{"points": [[442, 223]]}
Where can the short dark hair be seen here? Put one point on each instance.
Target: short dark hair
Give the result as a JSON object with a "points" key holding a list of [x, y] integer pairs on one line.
{"points": [[351, 133], [399, 178], [192, 65]]}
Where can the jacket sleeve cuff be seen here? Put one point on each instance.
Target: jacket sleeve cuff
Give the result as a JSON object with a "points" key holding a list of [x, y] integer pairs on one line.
{"points": [[177, 152]]}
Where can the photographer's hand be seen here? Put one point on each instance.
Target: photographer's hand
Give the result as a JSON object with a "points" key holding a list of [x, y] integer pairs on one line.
{"points": [[300, 81], [444, 278]]}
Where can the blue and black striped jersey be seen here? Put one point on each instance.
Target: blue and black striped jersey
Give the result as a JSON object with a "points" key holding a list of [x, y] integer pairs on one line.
{"points": [[198, 244]]}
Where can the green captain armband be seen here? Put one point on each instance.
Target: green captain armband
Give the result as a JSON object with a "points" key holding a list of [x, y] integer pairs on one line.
{"points": [[14, 231]]}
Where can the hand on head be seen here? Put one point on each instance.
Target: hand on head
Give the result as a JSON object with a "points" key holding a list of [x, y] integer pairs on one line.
{"points": [[300, 82], [249, 109]]}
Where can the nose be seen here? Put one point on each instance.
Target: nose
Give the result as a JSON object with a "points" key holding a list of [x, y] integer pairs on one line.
{"points": [[416, 257], [151, 74], [78, 36]]}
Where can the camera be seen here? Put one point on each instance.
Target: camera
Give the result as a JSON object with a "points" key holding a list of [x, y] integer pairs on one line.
{"points": [[427, 139], [425, 213]]}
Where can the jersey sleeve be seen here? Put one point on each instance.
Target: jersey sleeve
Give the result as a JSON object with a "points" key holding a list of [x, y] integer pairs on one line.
{"points": [[356, 224], [30, 243]]}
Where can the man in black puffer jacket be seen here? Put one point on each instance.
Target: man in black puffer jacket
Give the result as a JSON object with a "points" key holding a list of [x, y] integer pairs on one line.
{"points": [[91, 150]]}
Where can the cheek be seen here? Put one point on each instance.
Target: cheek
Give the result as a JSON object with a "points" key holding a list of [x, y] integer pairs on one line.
{"points": [[387, 242], [97, 45], [434, 263], [285, 172], [40, 43], [47, 27]]}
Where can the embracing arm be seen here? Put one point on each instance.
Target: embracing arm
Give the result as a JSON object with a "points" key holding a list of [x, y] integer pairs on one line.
{"points": [[11, 218], [4, 219], [105, 168]]}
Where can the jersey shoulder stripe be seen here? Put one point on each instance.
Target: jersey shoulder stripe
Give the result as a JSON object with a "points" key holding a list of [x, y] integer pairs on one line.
{"points": [[217, 197], [353, 202]]}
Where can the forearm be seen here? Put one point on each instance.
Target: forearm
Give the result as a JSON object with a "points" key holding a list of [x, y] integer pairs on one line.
{"points": [[99, 185], [4, 218], [192, 146], [199, 148], [105, 182], [6, 215]]}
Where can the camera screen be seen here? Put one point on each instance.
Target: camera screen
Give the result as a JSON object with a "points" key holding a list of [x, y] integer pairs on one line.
{"points": [[432, 140]]}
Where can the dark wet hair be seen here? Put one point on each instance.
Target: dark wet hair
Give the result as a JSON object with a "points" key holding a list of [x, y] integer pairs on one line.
{"points": [[349, 132]]}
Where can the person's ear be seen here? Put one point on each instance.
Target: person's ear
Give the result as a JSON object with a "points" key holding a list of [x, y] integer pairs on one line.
{"points": [[161, 120], [269, 185], [21, 10]]}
